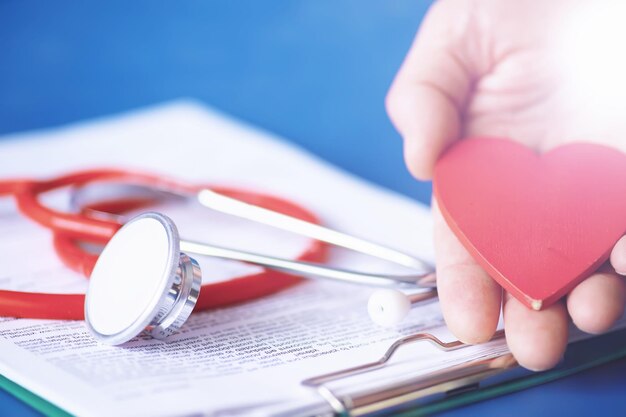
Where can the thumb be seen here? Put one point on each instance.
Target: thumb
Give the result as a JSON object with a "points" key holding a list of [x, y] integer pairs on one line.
{"points": [[427, 97]]}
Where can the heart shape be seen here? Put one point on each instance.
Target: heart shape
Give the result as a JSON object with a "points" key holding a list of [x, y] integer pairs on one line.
{"points": [[537, 223]]}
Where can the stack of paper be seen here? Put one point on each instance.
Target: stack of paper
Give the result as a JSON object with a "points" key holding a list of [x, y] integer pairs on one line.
{"points": [[247, 359]]}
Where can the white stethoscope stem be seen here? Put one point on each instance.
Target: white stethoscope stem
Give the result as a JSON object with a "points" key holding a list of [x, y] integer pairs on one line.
{"points": [[387, 307], [425, 280]]}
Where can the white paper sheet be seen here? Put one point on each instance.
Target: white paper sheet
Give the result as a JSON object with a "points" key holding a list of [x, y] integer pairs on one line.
{"points": [[247, 359]]}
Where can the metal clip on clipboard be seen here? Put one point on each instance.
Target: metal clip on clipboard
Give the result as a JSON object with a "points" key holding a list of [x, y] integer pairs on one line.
{"points": [[395, 395]]}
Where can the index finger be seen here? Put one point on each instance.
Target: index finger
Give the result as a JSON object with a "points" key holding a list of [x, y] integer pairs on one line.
{"points": [[470, 299], [428, 95]]}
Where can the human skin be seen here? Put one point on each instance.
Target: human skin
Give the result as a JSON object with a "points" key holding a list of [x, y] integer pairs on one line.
{"points": [[491, 68]]}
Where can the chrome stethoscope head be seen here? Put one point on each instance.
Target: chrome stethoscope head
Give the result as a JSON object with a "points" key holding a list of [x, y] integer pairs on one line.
{"points": [[141, 282]]}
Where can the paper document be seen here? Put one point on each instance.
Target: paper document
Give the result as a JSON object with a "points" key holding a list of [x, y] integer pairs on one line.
{"points": [[243, 360]]}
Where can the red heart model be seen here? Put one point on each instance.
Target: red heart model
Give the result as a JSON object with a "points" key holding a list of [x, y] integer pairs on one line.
{"points": [[537, 223]]}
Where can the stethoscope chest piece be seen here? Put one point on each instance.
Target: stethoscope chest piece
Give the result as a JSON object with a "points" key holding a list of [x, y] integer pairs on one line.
{"points": [[141, 283]]}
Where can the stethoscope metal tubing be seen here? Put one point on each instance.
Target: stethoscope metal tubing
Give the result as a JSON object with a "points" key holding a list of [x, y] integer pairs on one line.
{"points": [[210, 199], [308, 269], [228, 205]]}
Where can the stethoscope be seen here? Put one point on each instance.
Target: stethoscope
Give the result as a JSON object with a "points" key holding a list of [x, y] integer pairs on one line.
{"points": [[144, 280]]}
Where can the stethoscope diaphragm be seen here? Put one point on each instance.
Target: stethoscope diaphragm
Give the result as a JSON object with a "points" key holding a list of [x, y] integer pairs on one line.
{"points": [[141, 282]]}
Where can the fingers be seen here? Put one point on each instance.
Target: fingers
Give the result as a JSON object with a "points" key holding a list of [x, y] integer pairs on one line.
{"points": [[470, 300], [618, 256], [537, 339], [426, 100], [597, 302]]}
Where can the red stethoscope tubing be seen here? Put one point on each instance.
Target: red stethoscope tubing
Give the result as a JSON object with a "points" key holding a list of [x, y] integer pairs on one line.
{"points": [[70, 229]]}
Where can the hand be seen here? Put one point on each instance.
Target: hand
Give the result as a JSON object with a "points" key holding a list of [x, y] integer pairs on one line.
{"points": [[490, 68]]}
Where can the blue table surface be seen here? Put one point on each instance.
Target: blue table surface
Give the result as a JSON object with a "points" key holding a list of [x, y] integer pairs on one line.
{"points": [[315, 72]]}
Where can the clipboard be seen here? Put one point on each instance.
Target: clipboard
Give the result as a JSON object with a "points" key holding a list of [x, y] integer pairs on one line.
{"points": [[459, 385], [430, 393]]}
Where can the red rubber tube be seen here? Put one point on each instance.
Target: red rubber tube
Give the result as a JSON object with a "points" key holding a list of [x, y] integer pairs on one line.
{"points": [[70, 229]]}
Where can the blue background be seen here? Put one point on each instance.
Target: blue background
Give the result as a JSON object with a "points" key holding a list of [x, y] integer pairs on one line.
{"points": [[315, 72]]}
